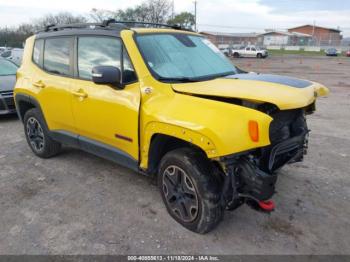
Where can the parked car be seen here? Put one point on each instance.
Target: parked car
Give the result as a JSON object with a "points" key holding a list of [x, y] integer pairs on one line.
{"points": [[7, 82], [331, 52], [225, 51], [15, 55], [347, 53], [249, 51], [2, 49], [166, 103]]}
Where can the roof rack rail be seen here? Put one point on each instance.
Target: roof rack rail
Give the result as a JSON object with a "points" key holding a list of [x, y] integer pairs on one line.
{"points": [[110, 23], [145, 24], [54, 27]]}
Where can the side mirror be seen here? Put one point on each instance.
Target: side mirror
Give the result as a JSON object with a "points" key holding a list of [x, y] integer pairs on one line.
{"points": [[107, 75]]}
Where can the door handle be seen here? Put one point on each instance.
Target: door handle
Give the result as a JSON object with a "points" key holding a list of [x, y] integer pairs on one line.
{"points": [[39, 84], [80, 93]]}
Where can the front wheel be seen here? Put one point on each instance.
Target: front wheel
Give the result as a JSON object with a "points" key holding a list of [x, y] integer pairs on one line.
{"points": [[190, 190], [259, 56], [236, 55]]}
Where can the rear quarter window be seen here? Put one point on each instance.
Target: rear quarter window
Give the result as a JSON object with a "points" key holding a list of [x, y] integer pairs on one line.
{"points": [[57, 55], [37, 51]]}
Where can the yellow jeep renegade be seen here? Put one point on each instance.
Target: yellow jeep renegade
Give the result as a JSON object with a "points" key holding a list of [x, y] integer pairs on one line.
{"points": [[165, 102]]}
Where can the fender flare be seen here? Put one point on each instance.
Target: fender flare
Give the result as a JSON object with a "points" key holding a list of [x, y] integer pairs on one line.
{"points": [[185, 134], [27, 99]]}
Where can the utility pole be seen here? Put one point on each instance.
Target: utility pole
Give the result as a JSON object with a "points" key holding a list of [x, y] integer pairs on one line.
{"points": [[173, 9], [195, 15], [313, 32]]}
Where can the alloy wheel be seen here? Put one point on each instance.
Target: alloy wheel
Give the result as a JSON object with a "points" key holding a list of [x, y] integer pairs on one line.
{"points": [[180, 194], [35, 134]]}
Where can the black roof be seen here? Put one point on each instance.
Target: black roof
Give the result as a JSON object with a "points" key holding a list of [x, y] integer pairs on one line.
{"points": [[108, 27]]}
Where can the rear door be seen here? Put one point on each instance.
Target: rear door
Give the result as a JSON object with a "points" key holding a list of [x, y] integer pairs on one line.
{"points": [[54, 57], [105, 115]]}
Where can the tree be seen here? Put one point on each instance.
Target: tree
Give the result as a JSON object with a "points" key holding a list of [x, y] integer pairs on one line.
{"points": [[184, 19], [58, 19], [15, 37], [98, 15], [159, 10], [152, 11]]}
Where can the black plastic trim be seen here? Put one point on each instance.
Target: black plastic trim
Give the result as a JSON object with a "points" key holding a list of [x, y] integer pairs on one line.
{"points": [[28, 99], [65, 137], [108, 152], [96, 148]]}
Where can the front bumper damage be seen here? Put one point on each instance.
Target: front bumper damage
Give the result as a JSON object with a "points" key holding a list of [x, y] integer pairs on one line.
{"points": [[251, 176]]}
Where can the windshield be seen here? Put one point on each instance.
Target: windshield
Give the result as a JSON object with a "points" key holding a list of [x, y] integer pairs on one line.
{"points": [[183, 57], [7, 68]]}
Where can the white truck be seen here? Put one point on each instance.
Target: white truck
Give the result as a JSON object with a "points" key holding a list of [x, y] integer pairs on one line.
{"points": [[249, 51]]}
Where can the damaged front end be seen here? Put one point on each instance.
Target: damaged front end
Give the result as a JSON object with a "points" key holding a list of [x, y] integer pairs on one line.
{"points": [[251, 176]]}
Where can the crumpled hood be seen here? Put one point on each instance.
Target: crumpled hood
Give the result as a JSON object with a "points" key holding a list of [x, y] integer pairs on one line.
{"points": [[282, 91], [7, 83]]}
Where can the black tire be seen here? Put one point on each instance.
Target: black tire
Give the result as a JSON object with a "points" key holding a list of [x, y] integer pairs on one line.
{"points": [[200, 190], [259, 55], [37, 135], [236, 55]]}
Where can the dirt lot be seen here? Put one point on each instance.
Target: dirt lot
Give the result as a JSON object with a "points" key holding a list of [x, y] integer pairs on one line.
{"points": [[77, 203]]}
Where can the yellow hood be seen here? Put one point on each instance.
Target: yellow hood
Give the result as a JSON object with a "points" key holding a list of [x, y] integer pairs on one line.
{"points": [[284, 92]]}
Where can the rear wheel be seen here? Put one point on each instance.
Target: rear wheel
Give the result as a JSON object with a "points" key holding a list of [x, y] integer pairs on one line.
{"points": [[37, 135], [190, 190], [235, 55]]}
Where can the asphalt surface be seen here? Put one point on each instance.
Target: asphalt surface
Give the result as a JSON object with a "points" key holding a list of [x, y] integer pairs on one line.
{"points": [[77, 203]]}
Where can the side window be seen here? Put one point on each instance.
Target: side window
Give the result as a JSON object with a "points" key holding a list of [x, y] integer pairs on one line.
{"points": [[253, 49], [96, 51], [247, 49], [37, 52], [57, 53]]}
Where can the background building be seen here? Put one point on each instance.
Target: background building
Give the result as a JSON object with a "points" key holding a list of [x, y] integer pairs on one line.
{"points": [[230, 39], [285, 38], [321, 36]]}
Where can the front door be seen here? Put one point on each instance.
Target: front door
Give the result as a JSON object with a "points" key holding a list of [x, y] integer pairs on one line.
{"points": [[106, 116]]}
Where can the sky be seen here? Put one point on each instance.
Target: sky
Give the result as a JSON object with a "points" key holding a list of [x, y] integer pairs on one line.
{"points": [[213, 15]]}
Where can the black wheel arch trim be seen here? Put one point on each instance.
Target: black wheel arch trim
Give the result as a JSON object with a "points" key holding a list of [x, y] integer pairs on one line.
{"points": [[27, 99]]}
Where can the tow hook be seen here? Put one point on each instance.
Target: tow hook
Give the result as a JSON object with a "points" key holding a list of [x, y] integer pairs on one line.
{"points": [[265, 206]]}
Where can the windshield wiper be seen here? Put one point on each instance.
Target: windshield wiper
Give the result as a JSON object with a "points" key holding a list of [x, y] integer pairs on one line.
{"points": [[194, 79], [180, 79]]}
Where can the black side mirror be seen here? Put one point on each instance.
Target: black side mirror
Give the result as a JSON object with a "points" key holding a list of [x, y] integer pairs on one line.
{"points": [[107, 75]]}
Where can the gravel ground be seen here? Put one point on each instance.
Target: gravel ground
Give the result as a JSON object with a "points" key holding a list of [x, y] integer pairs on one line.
{"points": [[77, 203]]}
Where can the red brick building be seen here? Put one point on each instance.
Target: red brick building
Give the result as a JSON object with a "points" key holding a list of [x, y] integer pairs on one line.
{"points": [[322, 36]]}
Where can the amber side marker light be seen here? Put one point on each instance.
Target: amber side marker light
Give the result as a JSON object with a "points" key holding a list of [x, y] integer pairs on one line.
{"points": [[253, 128]]}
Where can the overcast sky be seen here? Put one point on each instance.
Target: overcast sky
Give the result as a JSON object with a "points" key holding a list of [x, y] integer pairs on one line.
{"points": [[216, 15]]}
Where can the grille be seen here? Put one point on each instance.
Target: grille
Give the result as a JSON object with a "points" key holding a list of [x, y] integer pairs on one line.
{"points": [[6, 93], [10, 102], [286, 124], [2, 106], [6, 100]]}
